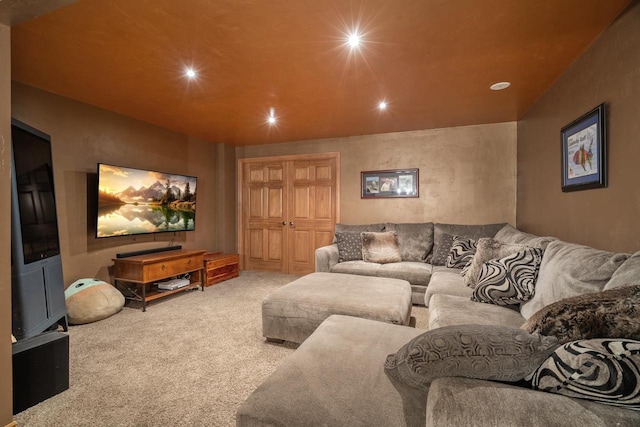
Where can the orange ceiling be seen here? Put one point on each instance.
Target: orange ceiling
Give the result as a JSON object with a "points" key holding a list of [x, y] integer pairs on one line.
{"points": [[432, 60]]}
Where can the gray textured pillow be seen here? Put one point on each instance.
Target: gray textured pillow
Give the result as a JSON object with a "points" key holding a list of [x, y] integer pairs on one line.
{"points": [[614, 313], [441, 248], [461, 253], [604, 370], [349, 246], [488, 249], [484, 352], [510, 280], [381, 248], [415, 240]]}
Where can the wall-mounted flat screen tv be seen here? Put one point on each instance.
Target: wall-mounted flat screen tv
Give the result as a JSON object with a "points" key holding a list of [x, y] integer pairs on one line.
{"points": [[136, 201]]}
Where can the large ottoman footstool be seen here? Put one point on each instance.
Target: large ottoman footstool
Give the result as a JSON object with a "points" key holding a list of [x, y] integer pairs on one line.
{"points": [[294, 311]]}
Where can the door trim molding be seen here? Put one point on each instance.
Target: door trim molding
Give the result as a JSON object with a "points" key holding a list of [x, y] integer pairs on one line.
{"points": [[292, 157]]}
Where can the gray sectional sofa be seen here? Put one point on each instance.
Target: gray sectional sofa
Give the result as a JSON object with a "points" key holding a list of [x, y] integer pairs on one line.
{"points": [[418, 243], [337, 376]]}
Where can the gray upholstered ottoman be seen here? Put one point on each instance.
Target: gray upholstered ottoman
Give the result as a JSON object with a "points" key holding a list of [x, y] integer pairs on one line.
{"points": [[294, 311]]}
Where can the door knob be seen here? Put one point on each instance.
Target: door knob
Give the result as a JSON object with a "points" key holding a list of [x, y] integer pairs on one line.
{"points": [[291, 224], [284, 223]]}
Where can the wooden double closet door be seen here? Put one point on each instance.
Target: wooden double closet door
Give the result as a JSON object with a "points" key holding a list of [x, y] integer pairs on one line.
{"points": [[289, 207]]}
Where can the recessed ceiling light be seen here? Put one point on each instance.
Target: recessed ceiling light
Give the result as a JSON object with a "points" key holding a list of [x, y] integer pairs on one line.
{"points": [[500, 86], [190, 73], [354, 40], [382, 105], [272, 117]]}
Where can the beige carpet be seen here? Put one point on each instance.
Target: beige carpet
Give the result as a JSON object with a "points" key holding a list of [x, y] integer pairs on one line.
{"points": [[190, 360]]}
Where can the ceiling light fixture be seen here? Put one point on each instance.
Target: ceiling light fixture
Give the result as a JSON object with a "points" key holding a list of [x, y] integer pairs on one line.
{"points": [[382, 105], [500, 86], [272, 117], [190, 73], [354, 40]]}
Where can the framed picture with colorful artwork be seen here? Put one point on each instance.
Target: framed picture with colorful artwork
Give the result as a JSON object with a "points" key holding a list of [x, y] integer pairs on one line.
{"points": [[389, 183], [584, 151]]}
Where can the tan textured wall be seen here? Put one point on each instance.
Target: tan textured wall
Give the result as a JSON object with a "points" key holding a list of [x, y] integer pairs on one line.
{"points": [[6, 397], [467, 174], [81, 137], [606, 218]]}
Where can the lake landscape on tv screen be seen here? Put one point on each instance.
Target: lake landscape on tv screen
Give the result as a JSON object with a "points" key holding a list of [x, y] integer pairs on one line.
{"points": [[135, 201]]}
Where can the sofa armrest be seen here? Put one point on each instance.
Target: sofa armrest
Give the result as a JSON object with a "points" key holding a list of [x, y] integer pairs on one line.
{"points": [[326, 258]]}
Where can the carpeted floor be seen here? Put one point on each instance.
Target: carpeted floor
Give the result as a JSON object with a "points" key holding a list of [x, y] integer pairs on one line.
{"points": [[190, 360]]}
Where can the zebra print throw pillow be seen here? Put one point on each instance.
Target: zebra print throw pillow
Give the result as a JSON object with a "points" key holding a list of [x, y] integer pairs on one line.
{"points": [[461, 252], [604, 370], [510, 280]]}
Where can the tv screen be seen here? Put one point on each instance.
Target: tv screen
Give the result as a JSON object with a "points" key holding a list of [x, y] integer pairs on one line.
{"points": [[136, 201]]}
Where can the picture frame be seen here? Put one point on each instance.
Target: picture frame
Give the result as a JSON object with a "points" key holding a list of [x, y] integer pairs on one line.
{"points": [[584, 151], [393, 183]]}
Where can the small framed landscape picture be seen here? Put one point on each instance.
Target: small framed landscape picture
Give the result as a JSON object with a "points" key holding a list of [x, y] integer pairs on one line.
{"points": [[389, 183], [584, 151]]}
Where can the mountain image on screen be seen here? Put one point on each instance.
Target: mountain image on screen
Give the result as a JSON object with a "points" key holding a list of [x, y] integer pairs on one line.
{"points": [[136, 201]]}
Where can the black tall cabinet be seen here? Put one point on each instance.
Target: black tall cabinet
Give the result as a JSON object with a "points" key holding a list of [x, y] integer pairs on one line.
{"points": [[38, 301]]}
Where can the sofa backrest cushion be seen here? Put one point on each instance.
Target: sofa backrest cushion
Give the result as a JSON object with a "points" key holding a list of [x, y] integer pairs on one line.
{"points": [[568, 270], [510, 234], [443, 237], [415, 240], [628, 274], [378, 227]]}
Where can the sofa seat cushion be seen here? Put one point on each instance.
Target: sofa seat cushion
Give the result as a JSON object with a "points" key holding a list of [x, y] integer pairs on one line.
{"points": [[448, 310], [336, 378], [569, 270], [416, 273], [446, 281], [470, 402]]}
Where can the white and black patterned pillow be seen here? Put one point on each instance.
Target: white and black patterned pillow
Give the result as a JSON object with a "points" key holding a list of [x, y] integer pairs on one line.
{"points": [[510, 280], [349, 246], [604, 370], [461, 253]]}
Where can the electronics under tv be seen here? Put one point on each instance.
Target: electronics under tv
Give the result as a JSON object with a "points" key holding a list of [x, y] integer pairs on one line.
{"points": [[172, 284], [138, 201]]}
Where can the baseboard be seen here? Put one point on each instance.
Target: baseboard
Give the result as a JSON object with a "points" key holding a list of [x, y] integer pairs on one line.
{"points": [[12, 424]]}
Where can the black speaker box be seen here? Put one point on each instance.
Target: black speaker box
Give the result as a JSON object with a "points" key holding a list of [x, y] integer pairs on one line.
{"points": [[40, 369]]}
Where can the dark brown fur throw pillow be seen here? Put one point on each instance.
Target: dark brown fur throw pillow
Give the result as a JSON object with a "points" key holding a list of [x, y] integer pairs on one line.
{"points": [[609, 314]]}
